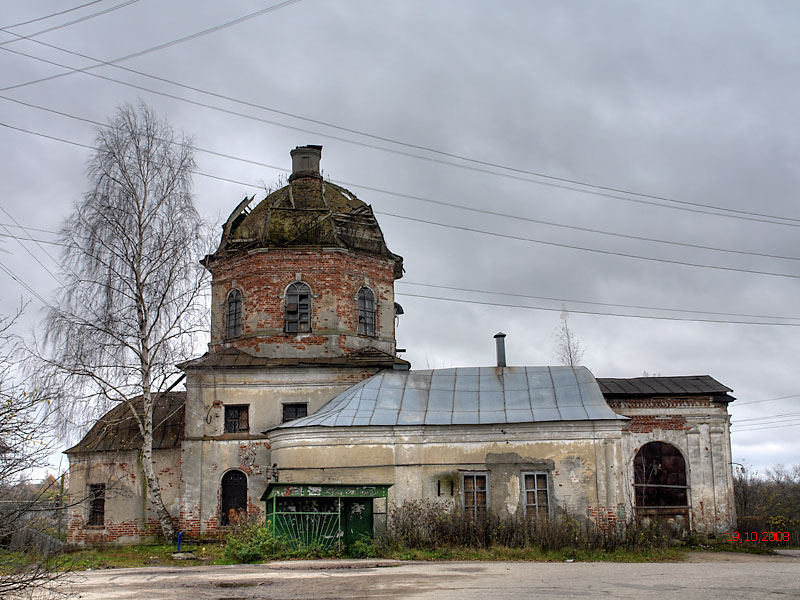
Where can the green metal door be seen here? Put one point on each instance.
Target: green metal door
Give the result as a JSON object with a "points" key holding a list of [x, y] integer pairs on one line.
{"points": [[357, 519]]}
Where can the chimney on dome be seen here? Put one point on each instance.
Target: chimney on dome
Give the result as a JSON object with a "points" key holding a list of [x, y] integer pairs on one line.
{"points": [[305, 162]]}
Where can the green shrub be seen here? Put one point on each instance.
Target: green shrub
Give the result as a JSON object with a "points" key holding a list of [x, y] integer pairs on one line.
{"points": [[363, 547], [253, 542]]}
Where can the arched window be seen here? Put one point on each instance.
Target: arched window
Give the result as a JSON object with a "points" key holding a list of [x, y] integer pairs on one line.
{"points": [[234, 497], [660, 476], [233, 314], [298, 308], [366, 312]]}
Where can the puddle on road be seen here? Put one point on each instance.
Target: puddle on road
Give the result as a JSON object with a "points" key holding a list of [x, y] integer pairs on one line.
{"points": [[236, 584]]}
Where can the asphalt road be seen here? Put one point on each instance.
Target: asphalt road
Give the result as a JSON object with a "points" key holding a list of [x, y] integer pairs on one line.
{"points": [[709, 576]]}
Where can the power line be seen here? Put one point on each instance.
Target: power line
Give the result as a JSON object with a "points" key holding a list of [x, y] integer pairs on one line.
{"points": [[566, 300], [17, 237], [641, 198], [609, 304], [31, 229], [19, 280], [597, 313], [440, 202], [460, 228], [769, 427], [62, 25], [740, 403], [174, 42], [767, 418], [585, 249], [55, 14], [24, 247], [31, 238]]}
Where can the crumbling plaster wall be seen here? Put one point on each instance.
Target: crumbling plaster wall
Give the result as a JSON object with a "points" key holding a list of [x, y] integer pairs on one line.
{"points": [[129, 515], [208, 452], [700, 429], [422, 462]]}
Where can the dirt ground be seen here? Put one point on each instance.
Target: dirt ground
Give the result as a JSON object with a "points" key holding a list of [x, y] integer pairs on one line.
{"points": [[705, 575]]}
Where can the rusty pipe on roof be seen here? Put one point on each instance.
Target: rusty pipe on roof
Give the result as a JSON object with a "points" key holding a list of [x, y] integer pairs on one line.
{"points": [[500, 341]]}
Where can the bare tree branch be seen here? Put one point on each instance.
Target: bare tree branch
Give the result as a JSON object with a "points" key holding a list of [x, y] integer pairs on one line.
{"points": [[132, 304]]}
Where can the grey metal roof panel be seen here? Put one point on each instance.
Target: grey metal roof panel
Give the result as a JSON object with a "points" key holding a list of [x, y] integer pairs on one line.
{"points": [[466, 396]]}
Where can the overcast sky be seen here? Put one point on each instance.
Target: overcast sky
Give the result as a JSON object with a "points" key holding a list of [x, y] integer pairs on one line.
{"points": [[688, 110]]}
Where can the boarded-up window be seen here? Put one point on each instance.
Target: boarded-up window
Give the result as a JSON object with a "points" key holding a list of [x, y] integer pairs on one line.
{"points": [[233, 315], [476, 496], [660, 476], [537, 498], [234, 497], [366, 312], [236, 419], [294, 410], [298, 308], [97, 505]]}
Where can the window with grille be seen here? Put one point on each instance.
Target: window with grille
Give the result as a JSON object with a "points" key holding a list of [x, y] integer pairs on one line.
{"points": [[660, 476], [294, 410], [366, 312], [298, 308], [233, 315], [97, 505], [236, 419], [476, 493], [537, 497]]}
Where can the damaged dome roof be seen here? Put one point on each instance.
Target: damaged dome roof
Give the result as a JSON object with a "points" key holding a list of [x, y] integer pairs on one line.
{"points": [[307, 212]]}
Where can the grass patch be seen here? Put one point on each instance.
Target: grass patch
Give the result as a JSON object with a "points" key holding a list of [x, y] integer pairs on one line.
{"points": [[115, 557], [742, 548], [537, 554]]}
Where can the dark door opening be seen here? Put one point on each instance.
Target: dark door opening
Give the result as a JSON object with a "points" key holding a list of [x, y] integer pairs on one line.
{"points": [[234, 497]]}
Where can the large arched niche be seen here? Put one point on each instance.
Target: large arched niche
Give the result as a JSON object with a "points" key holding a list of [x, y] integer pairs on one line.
{"points": [[234, 497], [660, 477]]}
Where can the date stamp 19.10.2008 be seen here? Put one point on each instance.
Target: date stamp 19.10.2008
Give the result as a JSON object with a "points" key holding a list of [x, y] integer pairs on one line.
{"points": [[758, 537]]}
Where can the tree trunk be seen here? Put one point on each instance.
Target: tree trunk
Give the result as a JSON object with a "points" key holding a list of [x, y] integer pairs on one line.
{"points": [[153, 487]]}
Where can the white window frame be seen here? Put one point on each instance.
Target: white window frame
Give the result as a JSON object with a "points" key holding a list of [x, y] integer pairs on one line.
{"points": [[535, 490]]}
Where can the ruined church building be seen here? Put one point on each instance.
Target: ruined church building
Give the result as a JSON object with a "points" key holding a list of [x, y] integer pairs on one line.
{"points": [[301, 404]]}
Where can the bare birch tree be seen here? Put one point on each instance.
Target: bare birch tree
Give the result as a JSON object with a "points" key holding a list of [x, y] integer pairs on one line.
{"points": [[569, 350], [25, 568], [131, 302]]}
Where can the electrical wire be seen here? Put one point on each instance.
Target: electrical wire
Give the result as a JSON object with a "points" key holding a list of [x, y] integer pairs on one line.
{"points": [[470, 229], [641, 198], [439, 202], [19, 280], [63, 25], [597, 313], [609, 304], [763, 428], [740, 402], [55, 14], [430, 285], [767, 418], [585, 249]]}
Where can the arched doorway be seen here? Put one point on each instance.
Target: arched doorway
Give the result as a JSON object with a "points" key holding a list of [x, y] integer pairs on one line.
{"points": [[660, 483], [234, 497]]}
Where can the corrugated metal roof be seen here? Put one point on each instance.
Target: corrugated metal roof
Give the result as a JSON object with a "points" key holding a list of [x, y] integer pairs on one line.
{"points": [[117, 429], [689, 385], [466, 396]]}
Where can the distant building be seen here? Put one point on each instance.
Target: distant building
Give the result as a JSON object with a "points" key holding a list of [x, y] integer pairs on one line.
{"points": [[301, 401]]}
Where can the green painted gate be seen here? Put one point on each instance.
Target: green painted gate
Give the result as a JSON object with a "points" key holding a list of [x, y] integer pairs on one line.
{"points": [[322, 515]]}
